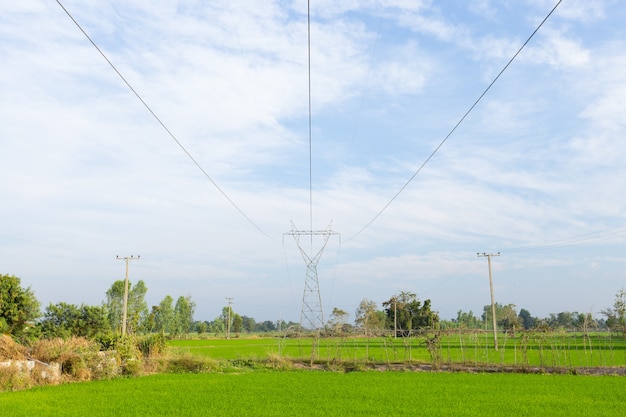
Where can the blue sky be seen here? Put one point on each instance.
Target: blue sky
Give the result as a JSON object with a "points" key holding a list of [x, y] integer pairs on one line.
{"points": [[536, 171]]}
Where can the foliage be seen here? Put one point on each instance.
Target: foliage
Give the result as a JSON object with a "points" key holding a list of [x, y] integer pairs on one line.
{"points": [[368, 319], [164, 315], [406, 313], [338, 321], [526, 319], [18, 307], [183, 315], [79, 357], [467, 320], [152, 345], [65, 320], [616, 315], [137, 309], [506, 316]]}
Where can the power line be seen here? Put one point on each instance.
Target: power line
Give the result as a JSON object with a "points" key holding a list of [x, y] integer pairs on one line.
{"points": [[169, 132], [584, 239], [432, 154], [310, 123]]}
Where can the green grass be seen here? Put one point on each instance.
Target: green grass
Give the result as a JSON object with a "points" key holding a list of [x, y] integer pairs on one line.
{"points": [[562, 350], [327, 394]]}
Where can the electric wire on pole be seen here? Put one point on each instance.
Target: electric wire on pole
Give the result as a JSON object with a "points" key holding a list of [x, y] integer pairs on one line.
{"points": [[127, 259], [493, 304]]}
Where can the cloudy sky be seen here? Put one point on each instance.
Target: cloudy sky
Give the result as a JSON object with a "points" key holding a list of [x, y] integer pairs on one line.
{"points": [[536, 171]]}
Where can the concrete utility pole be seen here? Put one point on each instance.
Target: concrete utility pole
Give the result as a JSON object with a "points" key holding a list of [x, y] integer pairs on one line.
{"points": [[230, 301], [125, 309], [493, 303]]}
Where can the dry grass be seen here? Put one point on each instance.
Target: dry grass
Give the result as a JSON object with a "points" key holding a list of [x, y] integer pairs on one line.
{"points": [[9, 350]]}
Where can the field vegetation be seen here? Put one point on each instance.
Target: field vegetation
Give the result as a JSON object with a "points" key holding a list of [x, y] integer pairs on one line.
{"points": [[537, 351], [327, 393]]}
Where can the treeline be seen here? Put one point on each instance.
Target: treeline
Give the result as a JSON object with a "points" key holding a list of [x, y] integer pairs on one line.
{"points": [[403, 314], [509, 319]]}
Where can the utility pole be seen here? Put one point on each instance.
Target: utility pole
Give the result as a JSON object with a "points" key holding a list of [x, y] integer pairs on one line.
{"points": [[395, 317], [230, 301], [493, 304], [127, 259]]}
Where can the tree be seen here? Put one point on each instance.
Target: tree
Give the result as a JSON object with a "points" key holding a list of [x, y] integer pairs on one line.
{"points": [[467, 320], [65, 320], [237, 323], [616, 315], [164, 320], [368, 319], [266, 326], [137, 308], [183, 315], [18, 307], [527, 321], [249, 325], [338, 320], [406, 313], [506, 316]]}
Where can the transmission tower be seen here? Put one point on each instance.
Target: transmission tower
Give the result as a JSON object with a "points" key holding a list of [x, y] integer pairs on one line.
{"points": [[311, 316]]}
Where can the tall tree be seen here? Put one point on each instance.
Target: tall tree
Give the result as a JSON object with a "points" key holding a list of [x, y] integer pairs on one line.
{"points": [[183, 315], [18, 307], [338, 319], [368, 319], [164, 320], [237, 323], [526, 319], [137, 309]]}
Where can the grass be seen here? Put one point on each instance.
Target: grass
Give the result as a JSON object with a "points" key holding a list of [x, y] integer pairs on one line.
{"points": [[533, 349], [327, 393]]}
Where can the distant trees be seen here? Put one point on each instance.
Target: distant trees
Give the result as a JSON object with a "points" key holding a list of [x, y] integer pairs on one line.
{"points": [[405, 313], [506, 316], [18, 307], [467, 320]]}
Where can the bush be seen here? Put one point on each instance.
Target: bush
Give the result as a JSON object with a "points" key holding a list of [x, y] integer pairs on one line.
{"points": [[129, 355], [152, 345], [79, 358]]}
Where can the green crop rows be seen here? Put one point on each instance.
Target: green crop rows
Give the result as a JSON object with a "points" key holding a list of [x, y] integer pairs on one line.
{"points": [[327, 394], [561, 350]]}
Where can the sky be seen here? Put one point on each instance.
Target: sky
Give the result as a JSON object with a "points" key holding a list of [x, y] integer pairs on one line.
{"points": [[206, 165]]}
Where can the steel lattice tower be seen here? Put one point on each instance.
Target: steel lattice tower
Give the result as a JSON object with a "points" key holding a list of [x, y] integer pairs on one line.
{"points": [[312, 315]]}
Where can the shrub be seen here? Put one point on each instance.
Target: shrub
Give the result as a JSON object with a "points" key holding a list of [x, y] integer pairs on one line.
{"points": [[152, 345]]}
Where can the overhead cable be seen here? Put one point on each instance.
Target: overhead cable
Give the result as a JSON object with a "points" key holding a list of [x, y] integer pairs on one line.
{"points": [[432, 154], [169, 132]]}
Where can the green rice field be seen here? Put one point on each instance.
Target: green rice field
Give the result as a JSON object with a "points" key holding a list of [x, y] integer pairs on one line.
{"points": [[560, 350], [314, 393]]}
